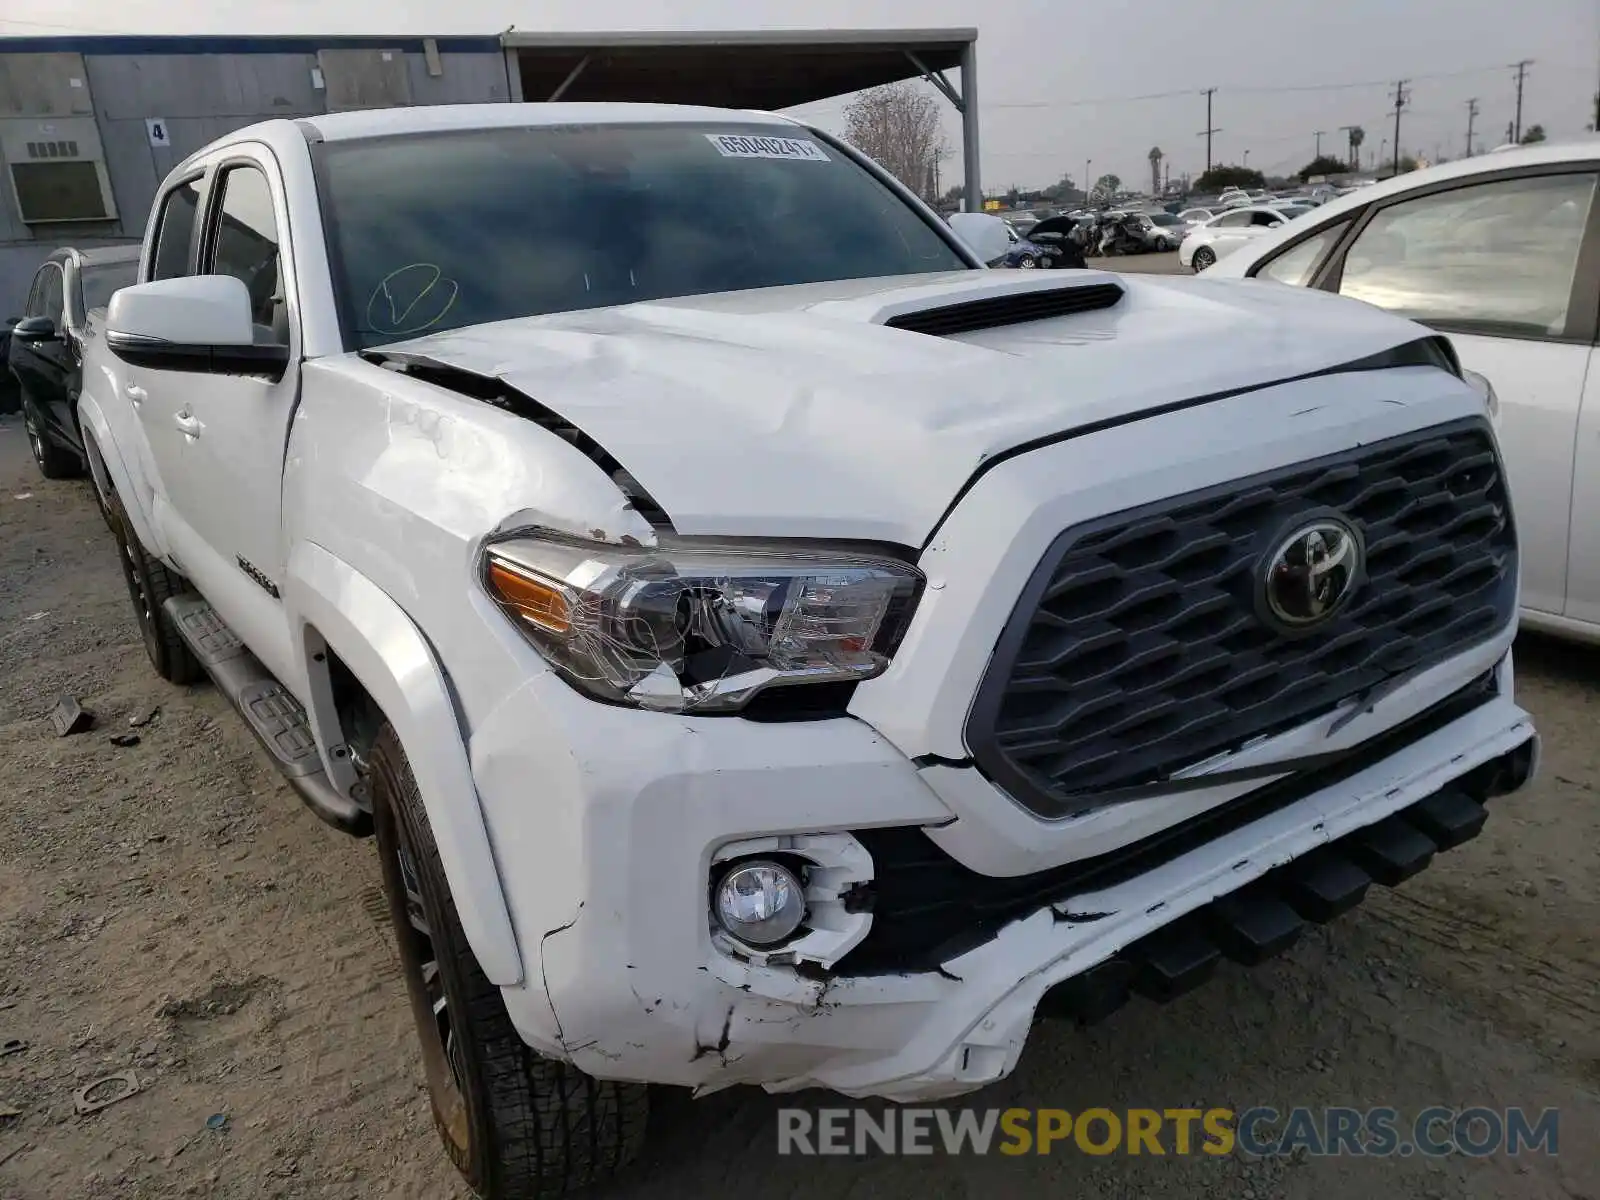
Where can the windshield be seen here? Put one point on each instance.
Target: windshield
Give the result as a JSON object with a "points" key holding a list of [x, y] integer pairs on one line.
{"points": [[99, 282], [436, 231]]}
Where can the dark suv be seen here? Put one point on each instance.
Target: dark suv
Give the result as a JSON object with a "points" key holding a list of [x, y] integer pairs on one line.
{"points": [[46, 352]]}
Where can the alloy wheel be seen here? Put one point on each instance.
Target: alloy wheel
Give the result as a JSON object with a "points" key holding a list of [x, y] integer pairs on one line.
{"points": [[35, 440], [419, 957]]}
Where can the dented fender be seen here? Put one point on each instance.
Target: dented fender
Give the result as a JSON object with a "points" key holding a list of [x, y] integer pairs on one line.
{"points": [[384, 650]]}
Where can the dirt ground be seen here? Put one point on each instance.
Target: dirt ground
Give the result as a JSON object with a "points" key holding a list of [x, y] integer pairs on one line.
{"points": [[171, 910]]}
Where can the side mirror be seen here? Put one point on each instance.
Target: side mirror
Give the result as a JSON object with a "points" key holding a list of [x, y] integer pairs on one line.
{"points": [[984, 234], [200, 323], [35, 329]]}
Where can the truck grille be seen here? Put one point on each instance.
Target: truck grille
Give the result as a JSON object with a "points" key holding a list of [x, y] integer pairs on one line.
{"points": [[1137, 648]]}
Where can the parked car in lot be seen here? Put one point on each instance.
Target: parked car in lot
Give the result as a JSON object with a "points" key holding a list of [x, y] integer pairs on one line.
{"points": [[46, 351], [10, 389], [1164, 231], [1502, 253], [982, 644], [1228, 231], [1050, 244]]}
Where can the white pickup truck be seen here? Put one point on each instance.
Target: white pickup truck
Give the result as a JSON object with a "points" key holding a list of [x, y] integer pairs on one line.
{"points": [[769, 647]]}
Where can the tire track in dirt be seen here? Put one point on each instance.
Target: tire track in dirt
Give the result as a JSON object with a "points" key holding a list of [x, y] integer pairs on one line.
{"points": [[1572, 985]]}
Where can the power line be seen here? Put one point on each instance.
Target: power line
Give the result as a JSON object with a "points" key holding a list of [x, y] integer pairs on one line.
{"points": [[1521, 69], [1095, 100], [1210, 129], [65, 29], [1263, 89]]}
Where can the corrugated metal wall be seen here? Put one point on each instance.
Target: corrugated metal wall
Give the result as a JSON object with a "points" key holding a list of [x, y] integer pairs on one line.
{"points": [[200, 97]]}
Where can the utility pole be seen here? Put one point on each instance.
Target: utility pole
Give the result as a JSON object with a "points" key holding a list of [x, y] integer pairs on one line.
{"points": [[1318, 136], [1210, 128], [1400, 99], [1472, 115], [1522, 73]]}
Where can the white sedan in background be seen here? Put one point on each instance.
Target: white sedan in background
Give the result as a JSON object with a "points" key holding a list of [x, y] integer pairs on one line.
{"points": [[1502, 253], [1226, 233]]}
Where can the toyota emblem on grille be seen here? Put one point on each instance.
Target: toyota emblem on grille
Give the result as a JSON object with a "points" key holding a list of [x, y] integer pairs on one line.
{"points": [[1312, 572]]}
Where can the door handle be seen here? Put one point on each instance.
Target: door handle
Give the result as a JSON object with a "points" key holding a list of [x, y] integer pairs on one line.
{"points": [[188, 424], [135, 393]]}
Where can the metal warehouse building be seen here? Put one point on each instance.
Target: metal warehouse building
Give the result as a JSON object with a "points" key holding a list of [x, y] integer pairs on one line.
{"points": [[89, 126]]}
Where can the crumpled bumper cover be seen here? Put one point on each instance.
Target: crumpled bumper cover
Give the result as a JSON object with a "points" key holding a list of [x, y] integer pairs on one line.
{"points": [[705, 1021]]}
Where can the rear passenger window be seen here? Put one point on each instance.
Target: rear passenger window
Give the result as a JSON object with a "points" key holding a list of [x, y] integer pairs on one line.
{"points": [[175, 231], [1495, 258], [1294, 266]]}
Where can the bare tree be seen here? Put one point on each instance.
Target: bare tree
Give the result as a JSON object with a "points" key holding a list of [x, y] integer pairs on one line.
{"points": [[898, 127]]}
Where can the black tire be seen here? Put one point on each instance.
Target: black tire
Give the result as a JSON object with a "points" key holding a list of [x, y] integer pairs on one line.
{"points": [[517, 1125], [1204, 257], [54, 461], [151, 585], [1027, 263]]}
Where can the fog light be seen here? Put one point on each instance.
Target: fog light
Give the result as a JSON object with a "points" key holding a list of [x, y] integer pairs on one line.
{"points": [[760, 903]]}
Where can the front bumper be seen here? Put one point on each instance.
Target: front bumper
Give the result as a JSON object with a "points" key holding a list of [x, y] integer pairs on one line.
{"points": [[612, 819]]}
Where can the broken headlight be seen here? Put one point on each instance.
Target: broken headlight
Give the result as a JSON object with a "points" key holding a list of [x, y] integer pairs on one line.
{"points": [[688, 626]]}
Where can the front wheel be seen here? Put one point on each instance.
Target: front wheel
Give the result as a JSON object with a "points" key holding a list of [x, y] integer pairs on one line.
{"points": [[54, 461], [1204, 257], [1028, 263], [516, 1125]]}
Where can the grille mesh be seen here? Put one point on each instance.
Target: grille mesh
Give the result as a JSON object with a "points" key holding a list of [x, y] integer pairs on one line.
{"points": [[1137, 649]]}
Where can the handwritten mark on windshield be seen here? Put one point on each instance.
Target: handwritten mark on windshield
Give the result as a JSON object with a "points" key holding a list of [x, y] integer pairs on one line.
{"points": [[411, 299]]}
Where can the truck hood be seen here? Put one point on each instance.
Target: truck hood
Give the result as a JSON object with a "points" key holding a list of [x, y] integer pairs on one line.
{"points": [[798, 412]]}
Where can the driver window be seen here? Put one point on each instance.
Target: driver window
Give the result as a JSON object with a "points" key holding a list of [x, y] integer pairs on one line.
{"points": [[244, 244], [1265, 219], [53, 297], [1233, 221], [35, 306]]}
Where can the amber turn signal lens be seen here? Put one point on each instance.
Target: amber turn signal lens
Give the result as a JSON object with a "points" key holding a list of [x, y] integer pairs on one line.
{"points": [[539, 603]]}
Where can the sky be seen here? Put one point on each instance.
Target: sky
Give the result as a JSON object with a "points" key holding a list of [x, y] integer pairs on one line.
{"points": [[1062, 84]]}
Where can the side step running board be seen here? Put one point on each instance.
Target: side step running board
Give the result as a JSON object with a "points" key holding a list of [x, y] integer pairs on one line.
{"points": [[273, 714]]}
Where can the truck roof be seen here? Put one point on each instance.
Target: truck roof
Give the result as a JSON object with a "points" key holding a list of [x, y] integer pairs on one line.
{"points": [[386, 122]]}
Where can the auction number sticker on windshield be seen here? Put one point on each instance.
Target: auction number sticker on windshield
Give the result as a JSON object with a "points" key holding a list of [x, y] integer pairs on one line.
{"points": [[749, 145]]}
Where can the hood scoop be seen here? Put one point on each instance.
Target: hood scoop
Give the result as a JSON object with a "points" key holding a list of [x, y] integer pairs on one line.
{"points": [[1014, 308]]}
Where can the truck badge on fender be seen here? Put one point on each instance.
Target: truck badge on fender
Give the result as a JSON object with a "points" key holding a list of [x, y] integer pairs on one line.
{"points": [[250, 569]]}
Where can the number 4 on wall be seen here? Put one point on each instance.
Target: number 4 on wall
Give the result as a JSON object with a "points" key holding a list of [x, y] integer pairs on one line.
{"points": [[156, 127]]}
